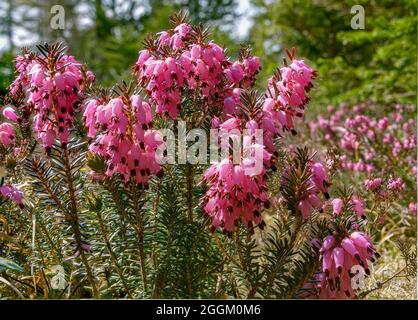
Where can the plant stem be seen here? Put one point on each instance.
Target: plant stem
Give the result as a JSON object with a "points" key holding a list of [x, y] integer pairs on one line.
{"points": [[289, 249], [75, 222], [41, 229], [47, 187], [381, 284], [189, 182], [154, 231], [120, 209], [139, 227], [112, 254], [156, 281], [244, 266]]}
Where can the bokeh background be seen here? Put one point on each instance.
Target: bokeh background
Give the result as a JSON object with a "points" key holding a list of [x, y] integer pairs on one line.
{"points": [[377, 63]]}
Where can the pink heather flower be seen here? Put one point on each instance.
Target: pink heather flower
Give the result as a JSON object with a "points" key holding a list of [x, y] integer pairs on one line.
{"points": [[243, 73], [314, 186], [320, 179], [53, 93], [290, 94], [398, 117], [91, 77], [7, 134], [369, 156], [373, 184], [397, 148], [337, 205], [396, 184], [370, 168], [22, 64], [124, 137], [236, 193], [383, 123], [11, 192], [370, 134], [338, 256], [10, 113], [349, 141], [388, 138], [358, 207], [198, 69], [235, 73], [360, 166], [183, 29]]}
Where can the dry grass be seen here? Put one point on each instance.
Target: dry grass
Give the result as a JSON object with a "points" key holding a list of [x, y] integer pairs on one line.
{"points": [[399, 288]]}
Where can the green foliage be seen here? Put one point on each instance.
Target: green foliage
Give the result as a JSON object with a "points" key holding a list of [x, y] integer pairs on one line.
{"points": [[377, 64], [153, 243], [6, 74]]}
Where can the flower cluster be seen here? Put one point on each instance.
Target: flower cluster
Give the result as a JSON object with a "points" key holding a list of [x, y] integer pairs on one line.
{"points": [[52, 88], [338, 255], [237, 189], [345, 251], [369, 142], [180, 62], [376, 147], [223, 201], [22, 63], [287, 93], [396, 184], [123, 135]]}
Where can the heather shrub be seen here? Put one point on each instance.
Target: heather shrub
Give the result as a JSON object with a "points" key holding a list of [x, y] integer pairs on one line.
{"points": [[98, 202]]}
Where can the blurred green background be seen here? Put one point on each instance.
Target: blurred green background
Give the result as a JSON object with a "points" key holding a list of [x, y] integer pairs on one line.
{"points": [[376, 64]]}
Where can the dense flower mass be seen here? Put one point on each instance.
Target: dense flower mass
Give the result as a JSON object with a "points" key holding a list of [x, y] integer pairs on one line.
{"points": [[176, 64], [287, 93], [375, 148], [52, 88], [237, 189], [180, 63], [368, 142], [123, 135]]}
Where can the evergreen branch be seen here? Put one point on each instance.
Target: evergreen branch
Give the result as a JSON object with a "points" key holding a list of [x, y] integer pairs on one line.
{"points": [[74, 219], [139, 227], [112, 254]]}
